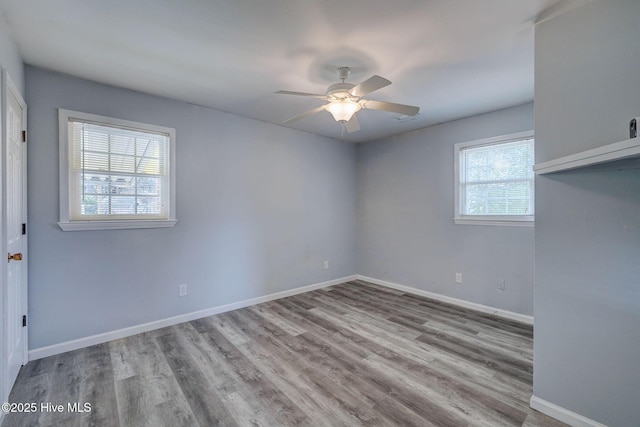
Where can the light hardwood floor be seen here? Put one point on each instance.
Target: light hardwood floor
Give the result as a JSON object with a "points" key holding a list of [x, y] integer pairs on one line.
{"points": [[351, 354]]}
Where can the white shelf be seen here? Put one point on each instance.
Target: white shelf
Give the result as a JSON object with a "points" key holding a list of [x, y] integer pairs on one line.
{"points": [[627, 149]]}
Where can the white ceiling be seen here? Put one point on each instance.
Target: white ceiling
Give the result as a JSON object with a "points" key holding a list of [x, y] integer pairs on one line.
{"points": [[453, 59]]}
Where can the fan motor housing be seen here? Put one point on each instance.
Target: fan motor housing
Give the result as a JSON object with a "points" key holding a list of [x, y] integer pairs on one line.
{"points": [[339, 91]]}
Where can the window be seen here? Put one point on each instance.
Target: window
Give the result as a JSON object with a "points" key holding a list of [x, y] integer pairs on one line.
{"points": [[115, 173], [494, 181]]}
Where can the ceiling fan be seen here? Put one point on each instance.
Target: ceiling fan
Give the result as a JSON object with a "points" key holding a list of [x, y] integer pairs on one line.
{"points": [[346, 99]]}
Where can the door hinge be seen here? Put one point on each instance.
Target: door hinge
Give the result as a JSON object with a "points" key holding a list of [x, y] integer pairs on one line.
{"points": [[24, 320], [24, 136], [24, 228]]}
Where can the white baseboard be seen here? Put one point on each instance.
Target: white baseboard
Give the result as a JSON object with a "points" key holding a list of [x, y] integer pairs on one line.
{"points": [[39, 353], [562, 414], [523, 318]]}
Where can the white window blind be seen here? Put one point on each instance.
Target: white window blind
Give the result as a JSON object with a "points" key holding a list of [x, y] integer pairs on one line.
{"points": [[117, 171], [495, 180]]}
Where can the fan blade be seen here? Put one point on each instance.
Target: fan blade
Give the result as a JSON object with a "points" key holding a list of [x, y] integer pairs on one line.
{"points": [[369, 85], [312, 95], [303, 115], [353, 124], [407, 110]]}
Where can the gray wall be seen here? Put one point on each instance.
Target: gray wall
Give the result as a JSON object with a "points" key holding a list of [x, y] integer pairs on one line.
{"points": [[260, 207], [405, 223], [587, 294], [10, 58]]}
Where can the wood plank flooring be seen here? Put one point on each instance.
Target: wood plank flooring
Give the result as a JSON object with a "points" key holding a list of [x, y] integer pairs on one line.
{"points": [[351, 354]]}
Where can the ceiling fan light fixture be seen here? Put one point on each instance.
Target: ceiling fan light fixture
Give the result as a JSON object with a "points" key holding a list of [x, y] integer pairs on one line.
{"points": [[343, 110], [346, 99]]}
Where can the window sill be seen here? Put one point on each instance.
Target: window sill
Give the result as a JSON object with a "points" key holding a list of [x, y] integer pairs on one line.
{"points": [[520, 222], [116, 225]]}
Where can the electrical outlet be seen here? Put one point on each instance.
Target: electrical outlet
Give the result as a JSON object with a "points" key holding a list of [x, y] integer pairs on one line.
{"points": [[326, 265], [182, 290], [501, 284], [458, 277]]}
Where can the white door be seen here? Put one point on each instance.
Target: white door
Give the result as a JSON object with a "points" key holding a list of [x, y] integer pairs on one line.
{"points": [[14, 237]]}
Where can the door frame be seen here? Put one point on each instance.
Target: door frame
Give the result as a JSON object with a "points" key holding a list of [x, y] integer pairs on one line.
{"points": [[9, 88]]}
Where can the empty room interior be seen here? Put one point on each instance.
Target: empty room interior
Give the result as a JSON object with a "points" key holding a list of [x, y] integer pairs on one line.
{"points": [[320, 213]]}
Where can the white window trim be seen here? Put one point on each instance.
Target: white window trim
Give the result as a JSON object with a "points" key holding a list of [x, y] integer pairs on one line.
{"points": [[500, 220], [73, 225]]}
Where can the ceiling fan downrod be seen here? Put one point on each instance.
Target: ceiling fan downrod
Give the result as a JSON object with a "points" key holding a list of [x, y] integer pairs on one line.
{"points": [[344, 72]]}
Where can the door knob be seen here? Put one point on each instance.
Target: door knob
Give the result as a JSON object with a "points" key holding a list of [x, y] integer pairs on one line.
{"points": [[15, 257]]}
